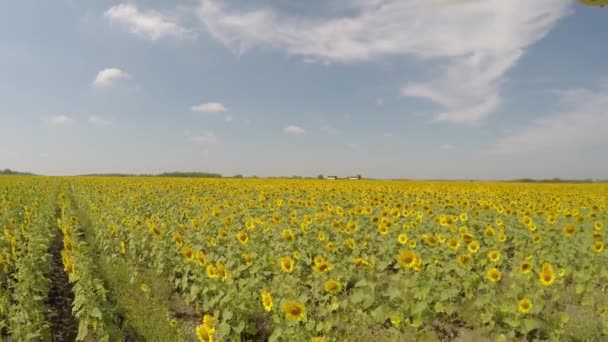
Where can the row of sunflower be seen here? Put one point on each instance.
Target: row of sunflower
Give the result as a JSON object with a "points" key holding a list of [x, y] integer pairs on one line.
{"points": [[90, 307], [26, 216], [343, 260]]}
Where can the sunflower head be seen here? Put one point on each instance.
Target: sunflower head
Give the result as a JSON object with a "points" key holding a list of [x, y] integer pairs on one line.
{"points": [[332, 286], [525, 267], [547, 275], [266, 300], [494, 256], [493, 275], [242, 237], [569, 229], [287, 264], [598, 246], [294, 310], [524, 306]]}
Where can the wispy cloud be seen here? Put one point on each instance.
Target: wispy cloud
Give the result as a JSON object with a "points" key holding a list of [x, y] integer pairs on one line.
{"points": [[207, 137], [109, 76], [97, 120], [210, 107], [61, 120], [228, 118], [294, 130], [582, 123], [148, 24], [477, 42]]}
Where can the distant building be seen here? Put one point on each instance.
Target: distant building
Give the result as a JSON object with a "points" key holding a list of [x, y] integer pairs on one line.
{"points": [[357, 177], [332, 177]]}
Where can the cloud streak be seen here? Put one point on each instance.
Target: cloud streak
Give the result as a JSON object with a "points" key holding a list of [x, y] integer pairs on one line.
{"points": [[582, 124], [475, 43], [61, 120], [210, 107], [150, 25], [294, 130]]}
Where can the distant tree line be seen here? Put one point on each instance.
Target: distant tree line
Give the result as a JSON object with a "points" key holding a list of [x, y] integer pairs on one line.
{"points": [[11, 172], [556, 180]]}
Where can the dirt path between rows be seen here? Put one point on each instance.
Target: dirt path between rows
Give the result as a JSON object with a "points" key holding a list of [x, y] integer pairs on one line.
{"points": [[60, 298]]}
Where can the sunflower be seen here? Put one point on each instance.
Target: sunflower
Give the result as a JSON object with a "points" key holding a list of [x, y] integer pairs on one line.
{"points": [[464, 260], [361, 262], [221, 271], [488, 232], [204, 334], [287, 264], [317, 339], [330, 246], [525, 267], [143, 287], [321, 265], [537, 238], [494, 256], [569, 229], [266, 300], [296, 255], [179, 240], [123, 247], [294, 310], [467, 237], [453, 244], [411, 244], [430, 240], [287, 235], [493, 275], [547, 275], [350, 243], [242, 237], [402, 239], [201, 258], [501, 237], [383, 229], [463, 217], [395, 319], [598, 225], [188, 253], [473, 246], [250, 224], [407, 258], [212, 272], [321, 236], [332, 286], [524, 306], [598, 246]]}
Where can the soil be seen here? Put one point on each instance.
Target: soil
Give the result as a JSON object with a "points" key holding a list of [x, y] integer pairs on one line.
{"points": [[60, 298]]}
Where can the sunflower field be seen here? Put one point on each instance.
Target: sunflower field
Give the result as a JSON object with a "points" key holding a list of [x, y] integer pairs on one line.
{"points": [[162, 259]]}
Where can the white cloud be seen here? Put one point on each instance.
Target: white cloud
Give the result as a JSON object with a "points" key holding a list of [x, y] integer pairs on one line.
{"points": [[447, 147], [61, 120], [228, 118], [152, 25], [207, 137], [97, 120], [211, 107], [582, 124], [108, 77], [476, 42], [295, 130]]}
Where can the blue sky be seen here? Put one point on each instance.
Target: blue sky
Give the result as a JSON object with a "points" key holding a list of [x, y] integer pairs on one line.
{"points": [[480, 89]]}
